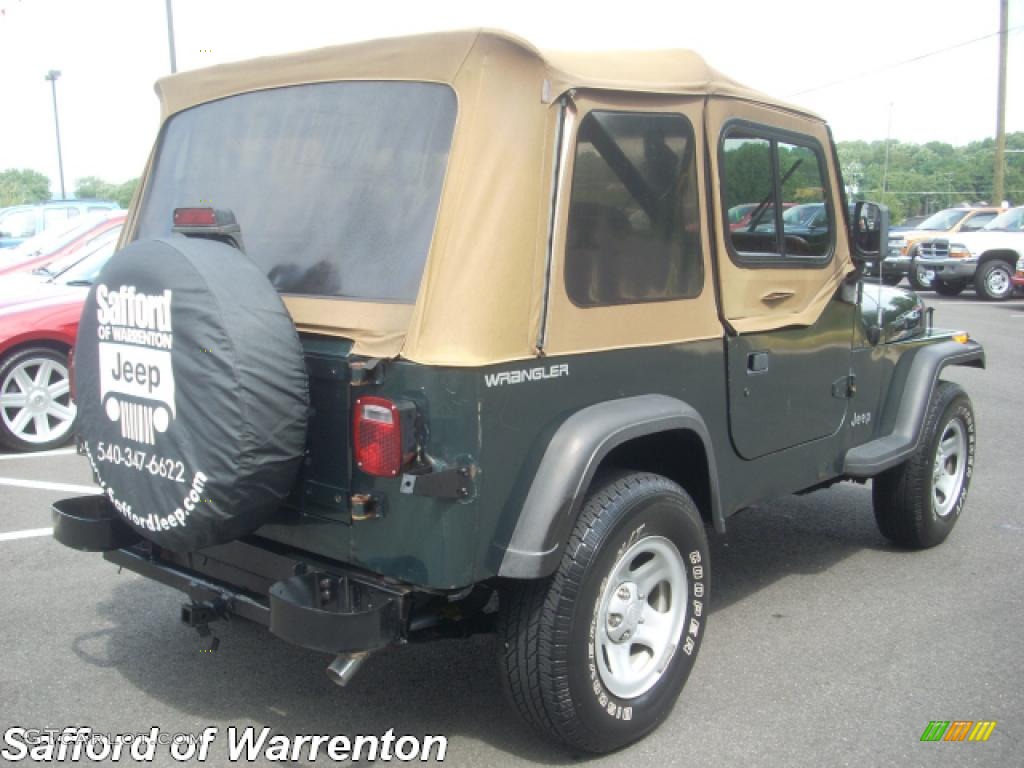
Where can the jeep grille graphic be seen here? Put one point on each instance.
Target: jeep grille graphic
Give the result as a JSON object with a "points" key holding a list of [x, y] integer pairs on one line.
{"points": [[137, 423]]}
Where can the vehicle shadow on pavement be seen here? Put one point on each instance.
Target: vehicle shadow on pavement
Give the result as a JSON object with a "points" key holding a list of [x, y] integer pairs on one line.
{"points": [[445, 688], [795, 535]]}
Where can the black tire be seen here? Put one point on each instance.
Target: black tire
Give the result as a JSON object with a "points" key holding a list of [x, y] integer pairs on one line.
{"points": [[43, 417], [917, 276], [892, 280], [994, 280], [948, 289], [550, 633], [909, 510]]}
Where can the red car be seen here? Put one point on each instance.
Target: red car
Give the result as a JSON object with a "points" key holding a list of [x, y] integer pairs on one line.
{"points": [[58, 242], [37, 332], [739, 215]]}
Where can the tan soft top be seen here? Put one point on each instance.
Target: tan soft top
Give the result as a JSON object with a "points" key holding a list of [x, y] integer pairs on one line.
{"points": [[439, 56], [482, 294]]}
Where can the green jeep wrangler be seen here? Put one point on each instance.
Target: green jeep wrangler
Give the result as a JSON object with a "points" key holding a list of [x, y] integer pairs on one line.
{"points": [[424, 337]]}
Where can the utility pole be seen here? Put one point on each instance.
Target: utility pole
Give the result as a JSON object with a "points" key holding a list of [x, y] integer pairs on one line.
{"points": [[170, 37], [1000, 162], [52, 76], [885, 171]]}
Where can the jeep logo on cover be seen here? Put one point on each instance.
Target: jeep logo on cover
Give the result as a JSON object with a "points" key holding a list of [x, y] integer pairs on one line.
{"points": [[136, 375]]}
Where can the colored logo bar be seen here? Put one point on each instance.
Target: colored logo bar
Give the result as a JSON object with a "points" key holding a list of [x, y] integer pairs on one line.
{"points": [[958, 730]]}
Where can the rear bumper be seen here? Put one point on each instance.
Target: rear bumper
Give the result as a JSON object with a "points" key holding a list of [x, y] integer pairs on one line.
{"points": [[317, 605]]}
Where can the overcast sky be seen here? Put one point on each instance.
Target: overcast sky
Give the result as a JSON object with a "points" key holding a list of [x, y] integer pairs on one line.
{"points": [[848, 61]]}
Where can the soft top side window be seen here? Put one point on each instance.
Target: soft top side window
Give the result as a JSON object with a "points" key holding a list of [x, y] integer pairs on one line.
{"points": [[774, 190], [633, 226]]}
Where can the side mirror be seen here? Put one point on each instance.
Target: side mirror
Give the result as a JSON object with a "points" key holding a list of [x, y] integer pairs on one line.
{"points": [[869, 231]]}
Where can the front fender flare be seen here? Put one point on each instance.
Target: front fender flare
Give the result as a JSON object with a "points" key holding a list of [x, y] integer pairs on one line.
{"points": [[876, 456], [569, 464]]}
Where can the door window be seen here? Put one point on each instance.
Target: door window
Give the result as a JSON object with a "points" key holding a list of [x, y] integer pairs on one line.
{"points": [[780, 184]]}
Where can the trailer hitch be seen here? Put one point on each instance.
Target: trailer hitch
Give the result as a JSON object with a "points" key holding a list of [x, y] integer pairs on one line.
{"points": [[199, 614]]}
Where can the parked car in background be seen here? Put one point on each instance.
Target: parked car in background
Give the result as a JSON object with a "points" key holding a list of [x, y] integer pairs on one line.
{"points": [[23, 283], [59, 241], [740, 216], [911, 222], [988, 258], [949, 220], [20, 222], [37, 331]]}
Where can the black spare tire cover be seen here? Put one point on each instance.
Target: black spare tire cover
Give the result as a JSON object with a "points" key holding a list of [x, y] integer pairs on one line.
{"points": [[192, 391]]}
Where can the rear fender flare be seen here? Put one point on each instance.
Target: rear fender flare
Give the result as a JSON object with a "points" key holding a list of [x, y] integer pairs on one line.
{"points": [[569, 464]]}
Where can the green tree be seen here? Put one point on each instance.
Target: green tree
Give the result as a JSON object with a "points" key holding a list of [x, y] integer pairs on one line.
{"points": [[93, 187], [124, 192], [923, 178], [18, 187], [96, 188]]}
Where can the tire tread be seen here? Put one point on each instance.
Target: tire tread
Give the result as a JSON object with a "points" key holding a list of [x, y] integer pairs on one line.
{"points": [[533, 634]]}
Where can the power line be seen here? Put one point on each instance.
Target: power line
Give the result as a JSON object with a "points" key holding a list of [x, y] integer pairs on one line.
{"points": [[903, 63]]}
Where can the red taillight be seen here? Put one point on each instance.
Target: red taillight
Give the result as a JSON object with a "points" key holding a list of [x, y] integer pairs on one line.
{"points": [[383, 435], [195, 217]]}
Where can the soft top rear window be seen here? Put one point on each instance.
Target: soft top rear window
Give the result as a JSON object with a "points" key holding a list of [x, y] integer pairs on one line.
{"points": [[336, 186]]}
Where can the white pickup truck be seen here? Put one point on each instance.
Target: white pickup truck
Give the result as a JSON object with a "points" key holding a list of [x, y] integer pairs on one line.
{"points": [[986, 257]]}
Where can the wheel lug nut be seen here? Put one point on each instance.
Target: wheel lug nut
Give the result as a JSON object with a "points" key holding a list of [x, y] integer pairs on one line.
{"points": [[623, 593], [614, 620]]}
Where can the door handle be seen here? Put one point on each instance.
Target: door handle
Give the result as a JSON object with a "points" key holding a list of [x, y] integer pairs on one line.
{"points": [[772, 296], [757, 362]]}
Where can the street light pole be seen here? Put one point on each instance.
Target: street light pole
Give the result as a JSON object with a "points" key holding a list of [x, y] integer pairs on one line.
{"points": [[52, 76], [170, 37]]}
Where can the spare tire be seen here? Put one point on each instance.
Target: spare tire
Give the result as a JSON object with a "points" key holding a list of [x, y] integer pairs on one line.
{"points": [[192, 392]]}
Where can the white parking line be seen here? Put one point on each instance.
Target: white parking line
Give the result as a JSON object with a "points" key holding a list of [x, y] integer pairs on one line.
{"points": [[42, 485], [39, 455], [28, 534]]}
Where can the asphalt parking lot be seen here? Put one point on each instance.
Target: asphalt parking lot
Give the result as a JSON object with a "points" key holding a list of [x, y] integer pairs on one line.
{"points": [[826, 646]]}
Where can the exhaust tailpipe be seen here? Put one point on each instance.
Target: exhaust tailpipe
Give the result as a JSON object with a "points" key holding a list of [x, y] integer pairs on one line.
{"points": [[344, 667]]}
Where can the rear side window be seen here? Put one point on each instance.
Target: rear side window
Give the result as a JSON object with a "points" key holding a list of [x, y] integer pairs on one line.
{"points": [[18, 223], [633, 228], [774, 191], [336, 186], [976, 222]]}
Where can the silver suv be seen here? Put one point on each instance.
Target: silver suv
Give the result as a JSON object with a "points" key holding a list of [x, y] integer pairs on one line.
{"points": [[20, 222]]}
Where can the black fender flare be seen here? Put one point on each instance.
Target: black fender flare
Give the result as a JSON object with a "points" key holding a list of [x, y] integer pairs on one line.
{"points": [[568, 466], [882, 453]]}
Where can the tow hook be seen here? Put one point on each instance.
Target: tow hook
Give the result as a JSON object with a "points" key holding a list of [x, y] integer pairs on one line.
{"points": [[199, 615], [344, 667]]}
